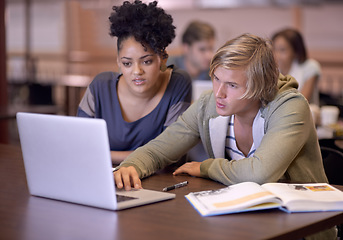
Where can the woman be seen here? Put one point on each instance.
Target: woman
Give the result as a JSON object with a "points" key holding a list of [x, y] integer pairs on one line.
{"points": [[146, 97], [291, 56]]}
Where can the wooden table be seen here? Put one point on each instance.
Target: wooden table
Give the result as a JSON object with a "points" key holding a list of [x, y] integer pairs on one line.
{"points": [[26, 217]]}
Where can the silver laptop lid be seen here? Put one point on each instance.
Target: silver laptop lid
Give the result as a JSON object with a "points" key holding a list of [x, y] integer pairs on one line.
{"points": [[67, 158]]}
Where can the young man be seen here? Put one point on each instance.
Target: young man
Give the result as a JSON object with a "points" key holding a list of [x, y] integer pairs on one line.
{"points": [[254, 125], [198, 42]]}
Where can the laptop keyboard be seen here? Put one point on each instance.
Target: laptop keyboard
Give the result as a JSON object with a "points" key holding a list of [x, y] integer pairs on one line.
{"points": [[122, 198]]}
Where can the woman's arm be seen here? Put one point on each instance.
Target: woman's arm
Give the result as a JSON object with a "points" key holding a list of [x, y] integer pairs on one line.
{"points": [[86, 107], [308, 87]]}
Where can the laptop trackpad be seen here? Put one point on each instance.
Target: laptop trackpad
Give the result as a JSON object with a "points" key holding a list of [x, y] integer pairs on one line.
{"points": [[141, 197], [122, 198]]}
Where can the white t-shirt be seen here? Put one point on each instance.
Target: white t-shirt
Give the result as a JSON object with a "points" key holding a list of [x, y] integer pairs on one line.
{"points": [[258, 133], [305, 71]]}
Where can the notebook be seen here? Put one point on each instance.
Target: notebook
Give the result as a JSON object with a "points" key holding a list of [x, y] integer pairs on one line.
{"points": [[68, 159]]}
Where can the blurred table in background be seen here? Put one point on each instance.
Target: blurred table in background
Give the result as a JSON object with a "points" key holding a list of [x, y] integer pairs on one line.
{"points": [[10, 112], [75, 86], [8, 119]]}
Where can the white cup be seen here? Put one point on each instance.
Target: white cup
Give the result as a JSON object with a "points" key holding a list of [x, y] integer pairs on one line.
{"points": [[329, 115]]}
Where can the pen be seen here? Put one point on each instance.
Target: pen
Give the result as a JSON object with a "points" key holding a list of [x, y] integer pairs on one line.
{"points": [[178, 185]]}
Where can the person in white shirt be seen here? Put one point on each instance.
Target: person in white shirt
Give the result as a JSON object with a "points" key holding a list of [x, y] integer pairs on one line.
{"points": [[291, 56]]}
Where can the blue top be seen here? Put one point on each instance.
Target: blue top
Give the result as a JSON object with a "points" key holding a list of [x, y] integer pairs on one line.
{"points": [[101, 101]]}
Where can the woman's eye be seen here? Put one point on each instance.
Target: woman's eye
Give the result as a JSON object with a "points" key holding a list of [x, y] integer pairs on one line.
{"points": [[126, 64], [232, 85], [146, 62]]}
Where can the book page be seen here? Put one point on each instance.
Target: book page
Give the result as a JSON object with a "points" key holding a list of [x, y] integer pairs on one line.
{"points": [[307, 197], [234, 198]]}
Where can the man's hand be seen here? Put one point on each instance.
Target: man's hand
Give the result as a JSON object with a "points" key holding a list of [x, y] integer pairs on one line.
{"points": [[127, 177], [191, 168]]}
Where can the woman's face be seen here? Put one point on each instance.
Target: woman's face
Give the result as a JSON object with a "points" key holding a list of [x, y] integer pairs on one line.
{"points": [[284, 54], [140, 66]]}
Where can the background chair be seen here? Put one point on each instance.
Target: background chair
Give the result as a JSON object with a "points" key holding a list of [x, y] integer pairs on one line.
{"points": [[331, 143], [333, 164]]}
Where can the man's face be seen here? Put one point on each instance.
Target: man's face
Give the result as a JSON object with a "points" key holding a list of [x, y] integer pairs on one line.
{"points": [[200, 53], [228, 88]]}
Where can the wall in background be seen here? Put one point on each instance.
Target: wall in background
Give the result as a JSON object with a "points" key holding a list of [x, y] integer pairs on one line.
{"points": [[69, 37], [319, 24]]}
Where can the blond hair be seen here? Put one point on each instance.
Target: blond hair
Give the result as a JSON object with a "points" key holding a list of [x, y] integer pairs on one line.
{"points": [[255, 56]]}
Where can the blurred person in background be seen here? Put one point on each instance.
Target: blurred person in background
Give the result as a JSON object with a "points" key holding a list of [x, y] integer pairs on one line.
{"points": [[292, 59], [198, 46]]}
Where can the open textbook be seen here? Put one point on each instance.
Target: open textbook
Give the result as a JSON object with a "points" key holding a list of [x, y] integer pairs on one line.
{"points": [[250, 196]]}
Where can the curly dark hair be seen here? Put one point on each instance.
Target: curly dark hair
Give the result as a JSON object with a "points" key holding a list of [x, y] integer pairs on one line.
{"points": [[148, 24]]}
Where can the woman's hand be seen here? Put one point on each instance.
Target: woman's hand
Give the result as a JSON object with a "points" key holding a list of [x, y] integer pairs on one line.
{"points": [[191, 168], [127, 177]]}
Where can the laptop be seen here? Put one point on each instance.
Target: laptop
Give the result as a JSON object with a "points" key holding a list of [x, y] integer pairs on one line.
{"points": [[68, 159], [199, 86]]}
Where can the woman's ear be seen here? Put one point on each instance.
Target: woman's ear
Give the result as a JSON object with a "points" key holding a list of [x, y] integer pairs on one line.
{"points": [[118, 64], [163, 66]]}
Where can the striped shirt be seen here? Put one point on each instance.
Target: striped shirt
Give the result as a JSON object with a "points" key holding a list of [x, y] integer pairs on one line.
{"points": [[231, 148]]}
